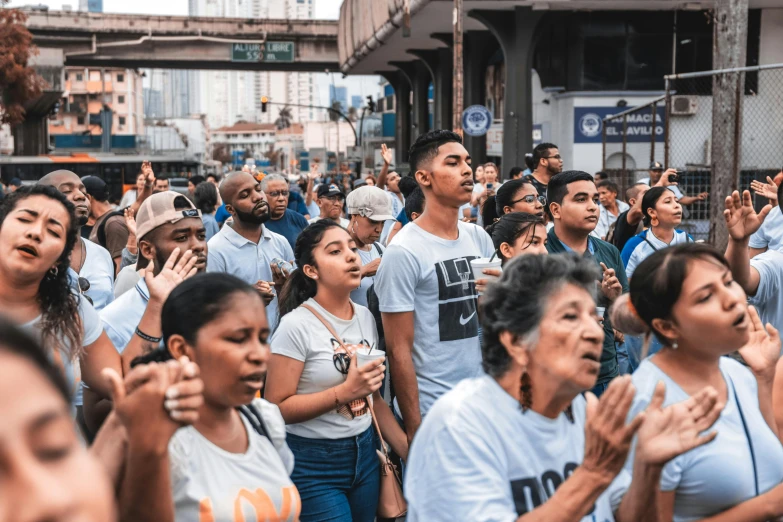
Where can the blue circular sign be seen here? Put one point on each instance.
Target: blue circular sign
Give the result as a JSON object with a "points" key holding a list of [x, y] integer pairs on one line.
{"points": [[590, 125], [476, 120]]}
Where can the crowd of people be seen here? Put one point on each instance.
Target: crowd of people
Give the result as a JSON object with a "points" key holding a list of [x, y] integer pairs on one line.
{"points": [[444, 345]]}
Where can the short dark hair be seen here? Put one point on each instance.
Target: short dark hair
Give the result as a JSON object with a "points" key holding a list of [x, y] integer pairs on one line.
{"points": [[780, 196], [611, 186], [407, 185], [197, 180], [558, 185], [529, 161], [515, 171], [601, 175], [206, 196], [516, 302], [425, 148], [540, 151], [214, 176], [414, 202]]}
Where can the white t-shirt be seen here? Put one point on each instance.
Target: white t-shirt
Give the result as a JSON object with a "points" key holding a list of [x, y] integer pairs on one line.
{"points": [[91, 324], [343, 222], [477, 457], [301, 336], [606, 219], [121, 318], [359, 296], [209, 483], [637, 249], [718, 475], [98, 269], [770, 235], [435, 274], [126, 280], [767, 299], [129, 198], [230, 253]]}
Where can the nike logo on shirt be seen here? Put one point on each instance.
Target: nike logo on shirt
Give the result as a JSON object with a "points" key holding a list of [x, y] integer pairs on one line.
{"points": [[464, 320]]}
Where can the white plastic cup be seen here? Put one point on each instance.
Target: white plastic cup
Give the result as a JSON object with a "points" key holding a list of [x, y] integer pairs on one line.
{"points": [[364, 356], [478, 266]]}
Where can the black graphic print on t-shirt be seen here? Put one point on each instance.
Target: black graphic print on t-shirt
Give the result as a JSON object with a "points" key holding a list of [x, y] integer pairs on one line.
{"points": [[457, 299]]}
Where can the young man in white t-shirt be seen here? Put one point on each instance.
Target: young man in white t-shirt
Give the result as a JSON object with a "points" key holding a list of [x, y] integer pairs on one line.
{"points": [[435, 346]]}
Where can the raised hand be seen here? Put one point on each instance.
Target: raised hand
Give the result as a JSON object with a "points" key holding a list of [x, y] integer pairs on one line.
{"points": [[767, 190], [669, 432], [607, 436], [149, 175], [762, 350], [665, 181], [386, 154], [741, 219], [177, 269], [130, 222], [610, 285], [703, 196]]}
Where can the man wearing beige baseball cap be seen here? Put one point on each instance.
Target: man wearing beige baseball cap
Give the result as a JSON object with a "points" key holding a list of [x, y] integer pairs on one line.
{"points": [[368, 208], [172, 247]]}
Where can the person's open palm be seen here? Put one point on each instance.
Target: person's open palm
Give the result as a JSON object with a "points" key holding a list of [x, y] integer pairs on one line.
{"points": [[177, 269], [767, 190], [130, 221], [669, 432], [741, 219], [386, 154], [762, 350]]}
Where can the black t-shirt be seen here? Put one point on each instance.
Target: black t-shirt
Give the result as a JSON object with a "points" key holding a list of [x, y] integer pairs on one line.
{"points": [[540, 187], [623, 231]]}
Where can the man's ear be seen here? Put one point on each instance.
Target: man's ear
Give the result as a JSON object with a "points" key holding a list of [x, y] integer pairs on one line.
{"points": [[423, 177]]}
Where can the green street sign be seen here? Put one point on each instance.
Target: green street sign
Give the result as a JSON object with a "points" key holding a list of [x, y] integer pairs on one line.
{"points": [[271, 52]]}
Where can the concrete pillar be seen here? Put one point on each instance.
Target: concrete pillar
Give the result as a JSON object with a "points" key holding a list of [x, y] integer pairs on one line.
{"points": [[439, 63], [402, 109], [419, 77], [515, 31]]}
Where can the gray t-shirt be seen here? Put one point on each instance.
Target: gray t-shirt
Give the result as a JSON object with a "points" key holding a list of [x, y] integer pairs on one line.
{"points": [[477, 457], [359, 296], [770, 235], [435, 273], [301, 336], [718, 475], [767, 299]]}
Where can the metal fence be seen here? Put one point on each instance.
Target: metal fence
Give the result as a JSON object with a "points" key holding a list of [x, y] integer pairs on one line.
{"points": [[677, 131]]}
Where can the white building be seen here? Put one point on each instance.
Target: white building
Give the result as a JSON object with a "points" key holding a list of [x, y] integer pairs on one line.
{"points": [[229, 96], [254, 138], [189, 135]]}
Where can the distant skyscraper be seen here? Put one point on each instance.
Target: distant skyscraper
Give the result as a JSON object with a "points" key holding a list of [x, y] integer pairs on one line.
{"points": [[338, 94], [356, 101], [93, 6]]}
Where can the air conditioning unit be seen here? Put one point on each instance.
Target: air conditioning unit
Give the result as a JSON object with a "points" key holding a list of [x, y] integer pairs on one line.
{"points": [[684, 105]]}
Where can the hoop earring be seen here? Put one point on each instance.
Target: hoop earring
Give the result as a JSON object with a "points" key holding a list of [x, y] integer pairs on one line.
{"points": [[654, 222], [53, 272], [525, 392]]}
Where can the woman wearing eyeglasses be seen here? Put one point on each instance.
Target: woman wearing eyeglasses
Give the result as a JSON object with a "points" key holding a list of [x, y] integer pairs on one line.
{"points": [[321, 390], [519, 195]]}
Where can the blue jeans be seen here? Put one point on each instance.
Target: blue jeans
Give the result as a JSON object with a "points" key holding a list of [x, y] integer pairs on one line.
{"points": [[337, 479], [626, 364]]}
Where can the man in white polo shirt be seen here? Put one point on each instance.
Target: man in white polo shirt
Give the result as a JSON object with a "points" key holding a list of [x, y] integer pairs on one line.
{"points": [[247, 248], [166, 221], [331, 200]]}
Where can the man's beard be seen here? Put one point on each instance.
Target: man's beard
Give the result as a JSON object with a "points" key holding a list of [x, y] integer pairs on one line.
{"points": [[82, 220], [252, 219]]}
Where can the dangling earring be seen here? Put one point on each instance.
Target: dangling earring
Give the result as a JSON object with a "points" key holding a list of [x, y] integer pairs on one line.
{"points": [[654, 222], [675, 345], [525, 391], [53, 272]]}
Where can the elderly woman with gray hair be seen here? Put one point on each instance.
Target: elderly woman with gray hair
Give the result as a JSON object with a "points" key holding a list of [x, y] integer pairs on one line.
{"points": [[522, 442]]}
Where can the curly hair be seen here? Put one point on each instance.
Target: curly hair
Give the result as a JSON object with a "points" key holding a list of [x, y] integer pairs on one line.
{"points": [[60, 325]]}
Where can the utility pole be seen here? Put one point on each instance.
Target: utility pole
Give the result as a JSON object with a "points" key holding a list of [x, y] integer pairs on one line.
{"points": [[457, 89], [729, 43]]}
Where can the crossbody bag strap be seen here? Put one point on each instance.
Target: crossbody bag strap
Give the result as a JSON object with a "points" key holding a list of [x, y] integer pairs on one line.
{"points": [[747, 436], [329, 327], [378, 248]]}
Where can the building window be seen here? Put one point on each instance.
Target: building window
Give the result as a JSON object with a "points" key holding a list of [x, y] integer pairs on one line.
{"points": [[120, 99], [120, 78], [79, 77], [66, 76], [122, 120], [80, 120]]}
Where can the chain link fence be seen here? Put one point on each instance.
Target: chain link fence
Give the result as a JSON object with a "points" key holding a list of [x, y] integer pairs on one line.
{"points": [[681, 135]]}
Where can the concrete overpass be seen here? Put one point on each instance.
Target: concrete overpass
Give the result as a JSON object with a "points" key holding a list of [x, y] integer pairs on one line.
{"points": [[180, 42]]}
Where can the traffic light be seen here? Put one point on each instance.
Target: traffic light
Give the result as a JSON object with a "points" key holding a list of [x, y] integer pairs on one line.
{"points": [[264, 102], [370, 104]]}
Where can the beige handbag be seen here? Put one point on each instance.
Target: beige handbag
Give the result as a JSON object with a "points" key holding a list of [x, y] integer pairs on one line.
{"points": [[391, 502]]}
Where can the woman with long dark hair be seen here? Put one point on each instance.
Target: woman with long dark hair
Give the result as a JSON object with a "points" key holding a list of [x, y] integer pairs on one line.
{"points": [[528, 441], [321, 387], [686, 297], [662, 215], [234, 457]]}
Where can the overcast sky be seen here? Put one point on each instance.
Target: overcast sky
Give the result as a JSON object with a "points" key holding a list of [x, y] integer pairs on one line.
{"points": [[324, 9]]}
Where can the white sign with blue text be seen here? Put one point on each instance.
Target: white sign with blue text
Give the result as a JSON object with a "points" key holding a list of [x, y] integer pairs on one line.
{"points": [[588, 125]]}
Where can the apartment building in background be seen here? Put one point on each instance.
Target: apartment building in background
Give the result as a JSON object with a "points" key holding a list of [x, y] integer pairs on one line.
{"points": [[87, 90], [227, 97]]}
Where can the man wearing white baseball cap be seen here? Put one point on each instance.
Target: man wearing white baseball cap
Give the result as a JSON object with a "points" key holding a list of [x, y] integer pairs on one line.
{"points": [[368, 208]]}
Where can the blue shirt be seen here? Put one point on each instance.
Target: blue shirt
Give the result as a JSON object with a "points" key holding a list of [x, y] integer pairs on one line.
{"points": [[402, 217], [222, 214], [296, 203], [643, 245], [210, 225], [289, 226]]}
